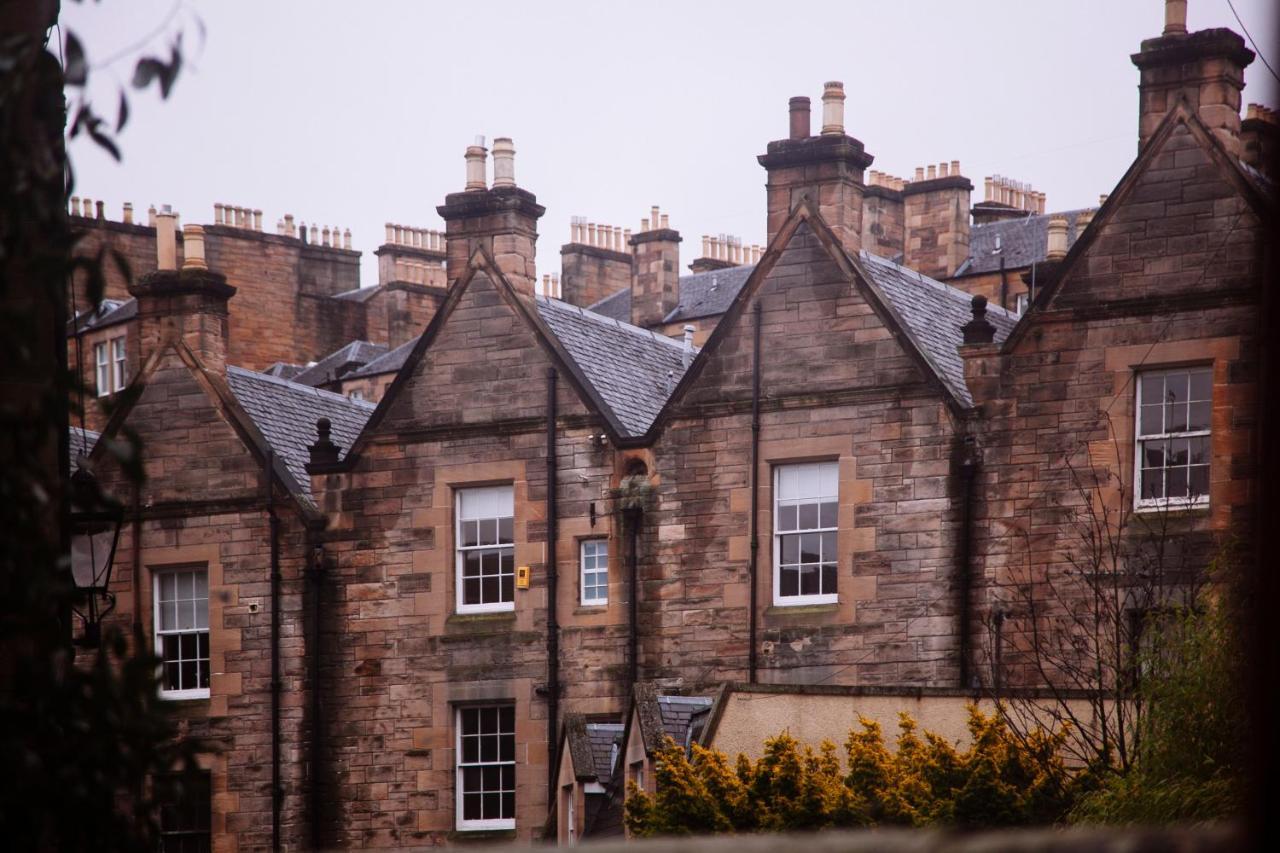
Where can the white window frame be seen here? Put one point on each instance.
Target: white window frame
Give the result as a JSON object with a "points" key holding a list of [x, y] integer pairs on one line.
{"points": [[461, 550], [119, 362], [1149, 504], [102, 368], [460, 767], [159, 633], [1021, 302], [780, 600], [595, 569]]}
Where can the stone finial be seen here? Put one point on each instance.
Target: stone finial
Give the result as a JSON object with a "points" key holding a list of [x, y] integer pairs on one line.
{"points": [[504, 162], [166, 239], [979, 330], [800, 125], [1056, 249], [324, 451], [193, 248], [475, 156], [1175, 17], [833, 107]]}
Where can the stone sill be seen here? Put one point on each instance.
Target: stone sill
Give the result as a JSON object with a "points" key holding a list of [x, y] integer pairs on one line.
{"points": [[590, 609], [480, 623], [801, 610], [1173, 511], [481, 835]]}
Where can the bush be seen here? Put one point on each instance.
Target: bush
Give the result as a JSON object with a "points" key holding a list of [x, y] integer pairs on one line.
{"points": [[998, 780]]}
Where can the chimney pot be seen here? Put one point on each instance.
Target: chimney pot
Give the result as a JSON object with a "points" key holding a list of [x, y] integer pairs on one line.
{"points": [[1175, 17], [504, 162], [75, 205], [666, 223], [475, 157], [943, 169], [151, 216], [166, 240], [127, 214], [193, 248], [346, 238], [955, 167], [217, 214], [644, 225], [98, 205], [919, 173], [800, 120], [1056, 249], [833, 108], [288, 224]]}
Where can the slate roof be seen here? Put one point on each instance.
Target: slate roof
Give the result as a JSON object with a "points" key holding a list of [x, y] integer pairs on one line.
{"points": [[339, 363], [704, 294], [285, 370], [81, 443], [632, 369], [1022, 242], [286, 414], [606, 745], [680, 714], [934, 314], [389, 362], [109, 313]]}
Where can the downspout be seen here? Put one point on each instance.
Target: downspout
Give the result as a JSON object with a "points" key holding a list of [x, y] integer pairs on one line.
{"points": [[553, 627], [315, 578], [964, 557], [1004, 286], [137, 562], [753, 525], [274, 524], [633, 515]]}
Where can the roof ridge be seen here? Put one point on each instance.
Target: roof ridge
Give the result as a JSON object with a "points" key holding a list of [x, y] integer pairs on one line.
{"points": [[298, 386], [559, 304]]}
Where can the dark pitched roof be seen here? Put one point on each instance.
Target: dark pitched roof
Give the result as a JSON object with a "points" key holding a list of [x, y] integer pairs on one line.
{"points": [[286, 413], [703, 294], [339, 363], [934, 315], [680, 715], [389, 362], [1021, 242], [707, 294], [108, 313], [606, 745], [82, 442], [632, 369]]}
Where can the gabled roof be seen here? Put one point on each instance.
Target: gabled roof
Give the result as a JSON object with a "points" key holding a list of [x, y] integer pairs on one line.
{"points": [[286, 413], [633, 369], [935, 314], [389, 362], [338, 363], [1253, 187], [1019, 242], [606, 745], [680, 716], [109, 312], [703, 294]]}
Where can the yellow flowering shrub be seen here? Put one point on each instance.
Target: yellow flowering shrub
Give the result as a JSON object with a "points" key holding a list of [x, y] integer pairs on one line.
{"points": [[997, 780]]}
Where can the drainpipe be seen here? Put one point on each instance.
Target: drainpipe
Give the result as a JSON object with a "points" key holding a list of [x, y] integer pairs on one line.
{"points": [[274, 524], [1004, 286], [634, 516], [553, 627], [964, 556], [753, 525], [315, 579], [137, 562]]}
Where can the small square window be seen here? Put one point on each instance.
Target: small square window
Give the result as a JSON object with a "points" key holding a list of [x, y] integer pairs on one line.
{"points": [[595, 571]]}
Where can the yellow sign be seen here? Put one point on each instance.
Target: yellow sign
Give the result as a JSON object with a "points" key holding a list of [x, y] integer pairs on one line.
{"points": [[522, 577]]}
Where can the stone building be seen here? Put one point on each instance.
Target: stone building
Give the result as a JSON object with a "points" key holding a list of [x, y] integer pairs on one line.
{"points": [[567, 529]]}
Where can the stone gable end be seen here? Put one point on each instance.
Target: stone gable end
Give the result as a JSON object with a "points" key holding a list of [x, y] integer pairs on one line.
{"points": [[818, 334], [1181, 227], [484, 365]]}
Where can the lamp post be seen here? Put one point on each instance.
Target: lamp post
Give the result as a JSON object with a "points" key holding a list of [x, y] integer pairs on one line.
{"points": [[95, 530]]}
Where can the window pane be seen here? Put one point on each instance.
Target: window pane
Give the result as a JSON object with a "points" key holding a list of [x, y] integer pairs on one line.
{"points": [[810, 543], [829, 474], [488, 747], [186, 585], [789, 581], [1175, 388], [490, 589], [1176, 483], [1152, 483], [1199, 448], [187, 646], [172, 680], [470, 533], [489, 563], [1201, 385], [202, 613], [204, 645], [1153, 454], [471, 564], [830, 514], [786, 518], [505, 526], [492, 806], [186, 614], [790, 550], [809, 580], [189, 681], [170, 643], [471, 591], [1199, 417], [507, 719], [1152, 420], [168, 587], [1175, 417], [489, 531], [471, 807], [829, 578], [509, 805], [1199, 480], [508, 588], [829, 546], [1152, 389], [808, 516], [1179, 449], [488, 720], [203, 666], [470, 749], [508, 777], [492, 780]]}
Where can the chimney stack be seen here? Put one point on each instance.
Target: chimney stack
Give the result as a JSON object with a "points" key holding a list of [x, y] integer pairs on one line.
{"points": [[595, 263], [655, 288], [1205, 67], [827, 169], [937, 220], [503, 220]]}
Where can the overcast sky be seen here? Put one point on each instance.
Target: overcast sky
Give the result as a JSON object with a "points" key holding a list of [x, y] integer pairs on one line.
{"points": [[357, 114]]}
